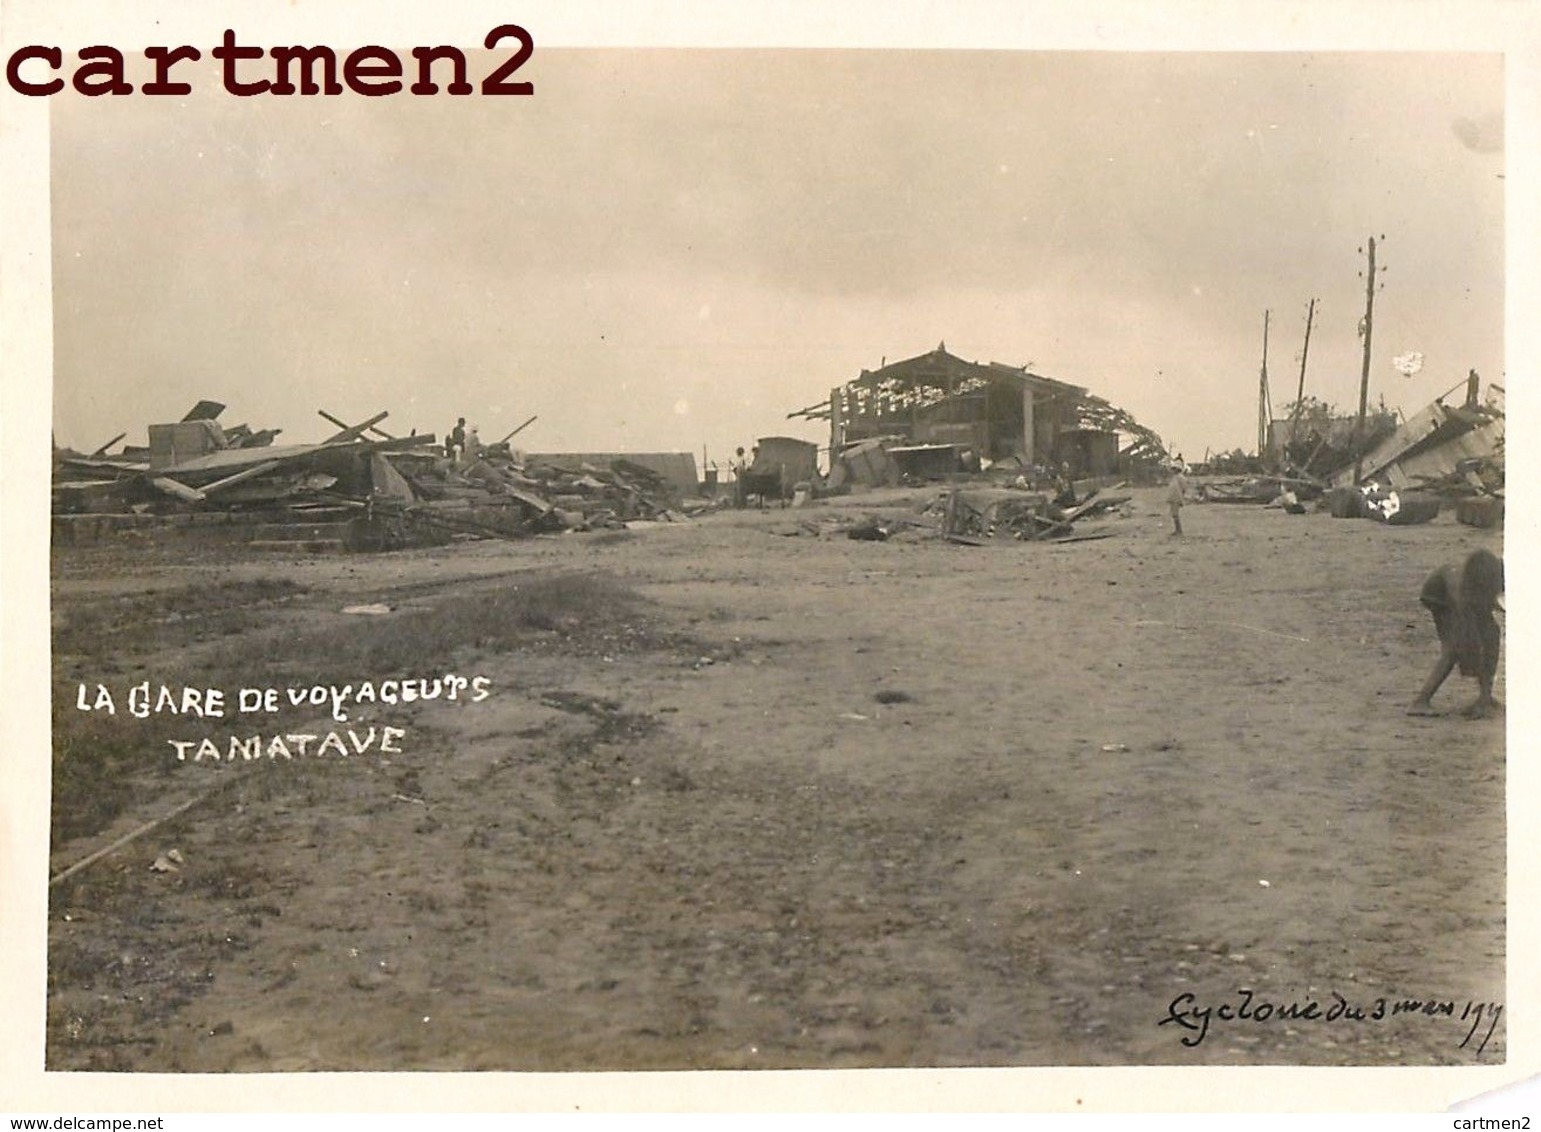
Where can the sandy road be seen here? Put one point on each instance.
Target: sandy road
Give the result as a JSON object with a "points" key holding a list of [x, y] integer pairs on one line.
{"points": [[927, 804]]}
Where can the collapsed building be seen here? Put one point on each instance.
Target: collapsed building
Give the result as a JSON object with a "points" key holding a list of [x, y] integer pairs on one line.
{"points": [[361, 489], [1433, 444], [1322, 442], [677, 468], [1387, 467], [937, 413], [1439, 443]]}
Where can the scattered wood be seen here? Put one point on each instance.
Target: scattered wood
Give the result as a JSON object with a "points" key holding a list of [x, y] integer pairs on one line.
{"points": [[403, 489]]}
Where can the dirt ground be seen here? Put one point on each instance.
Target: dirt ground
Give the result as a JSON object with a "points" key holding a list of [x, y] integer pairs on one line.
{"points": [[805, 802]]}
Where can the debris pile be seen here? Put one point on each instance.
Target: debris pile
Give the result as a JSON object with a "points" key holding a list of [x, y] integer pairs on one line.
{"points": [[1432, 445], [361, 489], [1402, 473], [572, 495], [1262, 490], [974, 516], [1316, 440]]}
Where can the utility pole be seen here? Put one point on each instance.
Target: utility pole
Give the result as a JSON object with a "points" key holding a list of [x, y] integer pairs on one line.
{"points": [[1263, 412], [1300, 390], [1364, 376]]}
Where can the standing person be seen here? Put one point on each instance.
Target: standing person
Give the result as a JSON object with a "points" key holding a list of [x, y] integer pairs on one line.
{"points": [[740, 466], [456, 444], [1176, 492], [1065, 487], [473, 444]]}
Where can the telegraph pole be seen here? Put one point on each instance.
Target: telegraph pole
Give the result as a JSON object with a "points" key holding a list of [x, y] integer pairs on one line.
{"points": [[1262, 398], [1364, 376], [1300, 391]]}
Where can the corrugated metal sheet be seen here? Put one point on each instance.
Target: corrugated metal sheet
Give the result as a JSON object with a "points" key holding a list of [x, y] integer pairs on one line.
{"points": [[1429, 443], [1442, 460]]}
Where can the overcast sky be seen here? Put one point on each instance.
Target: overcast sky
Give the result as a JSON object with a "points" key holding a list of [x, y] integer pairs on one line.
{"points": [[665, 250]]}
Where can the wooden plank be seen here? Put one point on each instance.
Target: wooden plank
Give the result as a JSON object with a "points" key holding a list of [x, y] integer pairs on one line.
{"points": [[246, 474], [204, 411], [180, 490], [106, 467], [1046, 527], [135, 834], [399, 443], [529, 500], [1084, 537], [518, 430], [1082, 508]]}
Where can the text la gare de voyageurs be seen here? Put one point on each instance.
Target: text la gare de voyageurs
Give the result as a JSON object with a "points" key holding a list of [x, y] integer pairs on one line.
{"points": [[144, 701]]}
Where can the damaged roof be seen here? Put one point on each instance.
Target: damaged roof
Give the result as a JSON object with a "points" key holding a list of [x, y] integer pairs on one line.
{"points": [[940, 363]]}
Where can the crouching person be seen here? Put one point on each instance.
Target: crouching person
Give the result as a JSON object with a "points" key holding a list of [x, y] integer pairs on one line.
{"points": [[1462, 599]]}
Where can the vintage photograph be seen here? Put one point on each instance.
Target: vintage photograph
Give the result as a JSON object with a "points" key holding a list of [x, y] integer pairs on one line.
{"points": [[778, 558]]}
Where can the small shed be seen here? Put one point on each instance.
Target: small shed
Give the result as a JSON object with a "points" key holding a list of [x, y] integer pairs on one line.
{"points": [[796, 460]]}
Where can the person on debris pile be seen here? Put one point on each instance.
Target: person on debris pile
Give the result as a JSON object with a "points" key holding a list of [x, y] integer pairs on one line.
{"points": [[1462, 599], [456, 443], [1176, 492], [473, 444]]}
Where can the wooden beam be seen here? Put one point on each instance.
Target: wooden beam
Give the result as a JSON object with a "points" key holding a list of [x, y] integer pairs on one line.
{"points": [[400, 443], [102, 451], [522, 427], [345, 426], [353, 432], [135, 834], [180, 490], [243, 474]]}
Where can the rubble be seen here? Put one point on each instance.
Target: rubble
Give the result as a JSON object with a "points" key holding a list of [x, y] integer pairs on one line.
{"points": [[1263, 490], [1012, 513], [1401, 473], [1432, 444], [361, 489]]}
